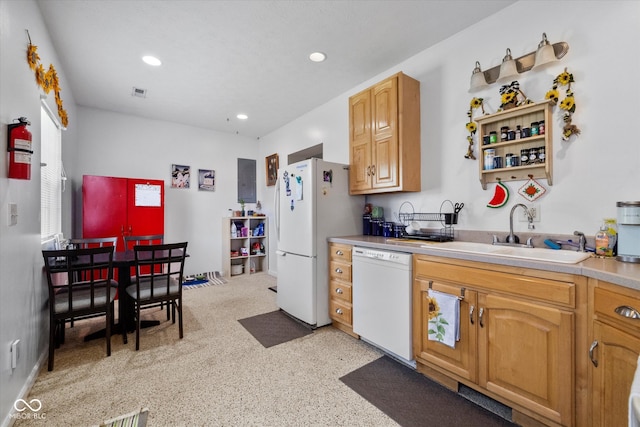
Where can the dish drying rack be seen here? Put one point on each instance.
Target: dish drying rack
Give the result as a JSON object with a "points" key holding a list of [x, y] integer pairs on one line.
{"points": [[446, 219]]}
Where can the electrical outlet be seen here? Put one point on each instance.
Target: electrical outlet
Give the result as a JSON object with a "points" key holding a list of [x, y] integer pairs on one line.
{"points": [[535, 212]]}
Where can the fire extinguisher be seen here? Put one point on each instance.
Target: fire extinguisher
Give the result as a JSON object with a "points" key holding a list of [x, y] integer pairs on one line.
{"points": [[19, 149]]}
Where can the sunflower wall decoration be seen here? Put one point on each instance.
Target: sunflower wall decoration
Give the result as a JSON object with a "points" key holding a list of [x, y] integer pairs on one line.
{"points": [[47, 80], [512, 96], [568, 104], [472, 127]]}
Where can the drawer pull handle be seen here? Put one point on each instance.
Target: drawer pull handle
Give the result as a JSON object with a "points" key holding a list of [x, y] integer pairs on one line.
{"points": [[471, 309], [626, 311], [593, 347], [339, 252], [481, 317], [339, 270], [339, 311], [339, 291]]}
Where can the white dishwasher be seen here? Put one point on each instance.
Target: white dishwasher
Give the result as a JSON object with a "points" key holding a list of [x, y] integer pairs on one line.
{"points": [[382, 300]]}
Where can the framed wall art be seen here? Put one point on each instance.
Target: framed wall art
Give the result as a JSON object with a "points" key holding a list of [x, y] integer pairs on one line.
{"points": [[206, 179], [272, 169], [180, 176]]}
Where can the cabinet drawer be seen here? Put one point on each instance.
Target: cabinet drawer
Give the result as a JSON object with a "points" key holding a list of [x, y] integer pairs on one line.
{"points": [[605, 303], [338, 251], [340, 312], [340, 290], [340, 270], [516, 283]]}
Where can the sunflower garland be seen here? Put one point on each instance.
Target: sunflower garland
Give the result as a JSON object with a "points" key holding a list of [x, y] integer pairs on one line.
{"points": [[471, 126], [47, 80], [568, 104]]}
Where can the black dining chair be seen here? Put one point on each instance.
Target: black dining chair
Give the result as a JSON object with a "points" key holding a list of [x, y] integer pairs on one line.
{"points": [[87, 290], [92, 242], [149, 239], [159, 276]]}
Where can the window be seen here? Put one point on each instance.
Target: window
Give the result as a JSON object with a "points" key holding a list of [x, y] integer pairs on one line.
{"points": [[51, 174]]}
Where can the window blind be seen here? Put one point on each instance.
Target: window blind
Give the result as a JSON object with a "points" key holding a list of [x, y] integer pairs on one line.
{"points": [[51, 174]]}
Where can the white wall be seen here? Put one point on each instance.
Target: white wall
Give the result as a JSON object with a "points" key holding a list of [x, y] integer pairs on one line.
{"points": [[23, 292], [591, 172], [113, 144]]}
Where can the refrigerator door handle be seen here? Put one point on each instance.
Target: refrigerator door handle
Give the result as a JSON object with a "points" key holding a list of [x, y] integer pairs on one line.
{"points": [[281, 253], [276, 206]]}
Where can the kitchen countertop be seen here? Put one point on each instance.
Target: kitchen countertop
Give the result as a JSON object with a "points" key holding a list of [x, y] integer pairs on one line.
{"points": [[607, 269]]}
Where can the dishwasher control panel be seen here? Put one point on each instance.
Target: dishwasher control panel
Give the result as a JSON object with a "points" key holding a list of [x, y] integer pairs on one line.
{"points": [[395, 257]]}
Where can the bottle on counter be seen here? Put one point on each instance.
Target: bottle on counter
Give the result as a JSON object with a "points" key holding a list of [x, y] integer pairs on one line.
{"points": [[602, 240], [612, 232]]}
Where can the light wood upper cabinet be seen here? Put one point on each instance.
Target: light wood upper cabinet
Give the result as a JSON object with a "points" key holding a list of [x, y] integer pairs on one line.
{"points": [[384, 137]]}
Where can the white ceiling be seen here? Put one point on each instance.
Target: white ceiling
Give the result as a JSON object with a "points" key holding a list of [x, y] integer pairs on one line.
{"points": [[221, 58]]}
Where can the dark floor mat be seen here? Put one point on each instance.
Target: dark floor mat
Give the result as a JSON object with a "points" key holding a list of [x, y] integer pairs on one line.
{"points": [[411, 399], [274, 328]]}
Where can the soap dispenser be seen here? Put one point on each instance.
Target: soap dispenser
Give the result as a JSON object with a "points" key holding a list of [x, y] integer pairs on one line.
{"points": [[602, 240]]}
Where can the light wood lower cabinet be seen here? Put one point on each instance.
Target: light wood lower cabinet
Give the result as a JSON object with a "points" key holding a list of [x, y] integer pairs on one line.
{"points": [[340, 299], [613, 353], [517, 338]]}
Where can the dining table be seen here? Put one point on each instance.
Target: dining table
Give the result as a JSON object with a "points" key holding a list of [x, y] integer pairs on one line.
{"points": [[123, 261]]}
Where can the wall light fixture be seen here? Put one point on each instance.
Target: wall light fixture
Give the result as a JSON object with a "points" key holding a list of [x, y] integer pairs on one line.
{"points": [[545, 54]]}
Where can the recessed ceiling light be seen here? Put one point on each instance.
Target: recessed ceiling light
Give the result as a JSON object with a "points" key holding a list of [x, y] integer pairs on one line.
{"points": [[242, 116], [152, 60], [317, 57]]}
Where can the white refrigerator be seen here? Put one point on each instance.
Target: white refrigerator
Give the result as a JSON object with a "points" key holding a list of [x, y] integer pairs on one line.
{"points": [[312, 203]]}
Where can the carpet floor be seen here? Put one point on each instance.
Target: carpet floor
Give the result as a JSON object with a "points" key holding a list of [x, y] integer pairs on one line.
{"points": [[217, 375]]}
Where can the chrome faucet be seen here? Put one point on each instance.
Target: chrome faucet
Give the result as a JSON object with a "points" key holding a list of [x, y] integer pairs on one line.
{"points": [[582, 243], [512, 239]]}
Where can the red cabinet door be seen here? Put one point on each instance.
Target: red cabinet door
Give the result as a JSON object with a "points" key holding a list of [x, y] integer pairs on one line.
{"points": [[104, 207], [145, 207], [114, 206]]}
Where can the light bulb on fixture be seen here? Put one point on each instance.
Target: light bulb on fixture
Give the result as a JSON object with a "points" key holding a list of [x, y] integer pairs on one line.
{"points": [[508, 68], [545, 53], [478, 79]]}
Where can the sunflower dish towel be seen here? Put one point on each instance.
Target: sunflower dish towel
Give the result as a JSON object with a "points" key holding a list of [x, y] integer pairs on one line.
{"points": [[444, 318]]}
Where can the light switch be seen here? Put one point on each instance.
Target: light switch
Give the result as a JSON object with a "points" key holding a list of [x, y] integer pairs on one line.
{"points": [[13, 214]]}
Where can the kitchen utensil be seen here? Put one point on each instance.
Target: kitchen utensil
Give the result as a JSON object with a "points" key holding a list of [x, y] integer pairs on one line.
{"points": [[458, 207]]}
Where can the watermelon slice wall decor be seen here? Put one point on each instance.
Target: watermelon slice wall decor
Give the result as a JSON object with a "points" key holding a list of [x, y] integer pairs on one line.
{"points": [[500, 196]]}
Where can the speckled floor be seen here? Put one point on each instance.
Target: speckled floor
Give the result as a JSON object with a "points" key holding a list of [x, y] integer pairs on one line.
{"points": [[217, 375]]}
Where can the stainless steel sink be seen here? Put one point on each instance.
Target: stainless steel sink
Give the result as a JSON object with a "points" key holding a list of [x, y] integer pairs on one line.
{"points": [[534, 254]]}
